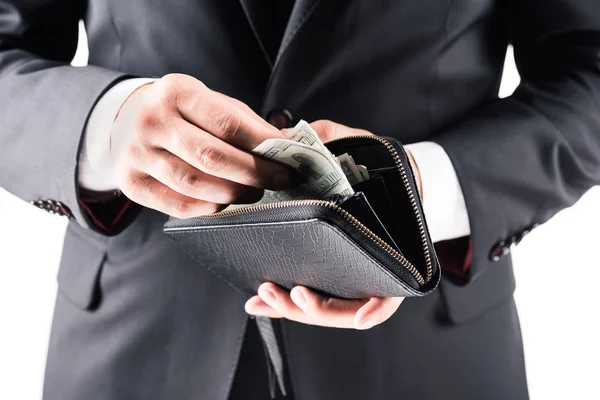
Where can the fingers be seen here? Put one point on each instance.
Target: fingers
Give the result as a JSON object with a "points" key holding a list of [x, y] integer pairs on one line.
{"points": [[215, 157], [305, 306], [185, 179], [326, 311], [149, 192], [246, 109], [376, 311], [256, 306], [221, 117], [279, 300], [178, 147]]}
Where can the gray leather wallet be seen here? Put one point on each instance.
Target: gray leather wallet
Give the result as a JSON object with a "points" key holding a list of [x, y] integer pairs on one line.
{"points": [[374, 243]]}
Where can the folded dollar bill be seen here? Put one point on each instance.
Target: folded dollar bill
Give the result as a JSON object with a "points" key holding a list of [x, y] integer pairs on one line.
{"points": [[321, 174]]}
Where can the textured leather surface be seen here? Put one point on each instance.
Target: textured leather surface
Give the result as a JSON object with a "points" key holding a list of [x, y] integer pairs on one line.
{"points": [[314, 246], [312, 253], [391, 201]]}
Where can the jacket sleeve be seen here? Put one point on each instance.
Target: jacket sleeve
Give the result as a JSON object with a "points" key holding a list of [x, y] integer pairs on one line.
{"points": [[44, 102], [522, 159]]}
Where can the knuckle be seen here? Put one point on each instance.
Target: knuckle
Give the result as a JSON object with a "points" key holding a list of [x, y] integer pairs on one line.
{"points": [[130, 184], [189, 181], [173, 133], [166, 168], [227, 125], [210, 159], [187, 101], [171, 78], [327, 129], [169, 87], [148, 119], [182, 210], [128, 181], [180, 90], [177, 79], [177, 138], [134, 153]]}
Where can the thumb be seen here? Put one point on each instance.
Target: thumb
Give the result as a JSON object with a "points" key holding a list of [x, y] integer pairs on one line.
{"points": [[329, 130]]}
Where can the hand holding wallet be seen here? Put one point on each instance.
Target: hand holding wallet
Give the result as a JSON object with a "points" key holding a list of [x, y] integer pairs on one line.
{"points": [[371, 243]]}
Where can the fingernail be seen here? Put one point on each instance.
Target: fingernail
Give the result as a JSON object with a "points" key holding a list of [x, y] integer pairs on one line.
{"points": [[299, 298], [250, 309], [256, 311], [367, 323], [269, 296]]}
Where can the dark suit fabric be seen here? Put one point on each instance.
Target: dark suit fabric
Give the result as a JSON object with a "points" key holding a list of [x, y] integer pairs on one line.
{"points": [[136, 318]]}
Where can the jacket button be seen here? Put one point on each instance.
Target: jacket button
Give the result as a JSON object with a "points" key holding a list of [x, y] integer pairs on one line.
{"points": [[280, 118], [526, 232], [53, 207], [499, 250], [521, 235], [61, 209], [41, 204]]}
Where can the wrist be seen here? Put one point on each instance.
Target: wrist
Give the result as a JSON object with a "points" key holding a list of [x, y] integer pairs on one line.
{"points": [[131, 96], [416, 172], [96, 162], [137, 92]]}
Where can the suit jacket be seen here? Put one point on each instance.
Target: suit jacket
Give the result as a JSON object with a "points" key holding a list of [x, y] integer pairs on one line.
{"points": [[136, 318]]}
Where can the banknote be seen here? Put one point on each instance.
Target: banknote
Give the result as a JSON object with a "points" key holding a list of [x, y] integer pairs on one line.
{"points": [[363, 171], [350, 169], [320, 176], [319, 173], [303, 133]]}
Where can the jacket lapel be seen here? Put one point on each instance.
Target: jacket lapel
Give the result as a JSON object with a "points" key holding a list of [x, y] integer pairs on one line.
{"points": [[250, 9], [302, 10], [300, 14]]}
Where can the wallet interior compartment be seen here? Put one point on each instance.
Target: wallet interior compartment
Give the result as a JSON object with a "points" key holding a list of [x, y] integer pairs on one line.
{"points": [[362, 209], [387, 195]]}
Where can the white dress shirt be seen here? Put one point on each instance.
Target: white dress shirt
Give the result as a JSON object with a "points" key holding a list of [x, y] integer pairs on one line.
{"points": [[443, 200]]}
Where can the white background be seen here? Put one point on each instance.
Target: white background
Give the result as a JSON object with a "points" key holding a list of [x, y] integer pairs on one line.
{"points": [[557, 271]]}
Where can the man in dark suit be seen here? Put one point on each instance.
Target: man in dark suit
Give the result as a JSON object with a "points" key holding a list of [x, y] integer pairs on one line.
{"points": [[135, 318]]}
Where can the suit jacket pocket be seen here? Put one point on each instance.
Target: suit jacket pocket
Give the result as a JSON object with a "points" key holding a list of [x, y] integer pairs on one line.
{"points": [[492, 288], [84, 254]]}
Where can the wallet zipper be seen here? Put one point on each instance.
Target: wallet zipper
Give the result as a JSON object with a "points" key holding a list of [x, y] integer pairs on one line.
{"points": [[411, 194], [332, 206], [356, 223]]}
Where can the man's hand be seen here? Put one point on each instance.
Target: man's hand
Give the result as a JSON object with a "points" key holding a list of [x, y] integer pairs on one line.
{"points": [[305, 306], [183, 149]]}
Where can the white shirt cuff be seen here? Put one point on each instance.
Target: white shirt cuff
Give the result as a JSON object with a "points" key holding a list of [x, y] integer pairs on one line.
{"points": [[95, 164], [443, 199]]}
